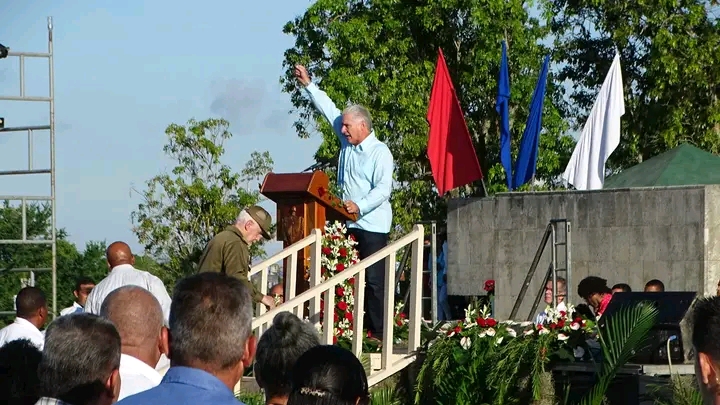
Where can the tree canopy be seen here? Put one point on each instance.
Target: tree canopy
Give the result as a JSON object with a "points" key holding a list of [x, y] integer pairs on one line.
{"points": [[71, 263], [382, 54], [670, 63], [183, 209]]}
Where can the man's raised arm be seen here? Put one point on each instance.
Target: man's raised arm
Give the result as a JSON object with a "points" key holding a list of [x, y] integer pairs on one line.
{"points": [[321, 101]]}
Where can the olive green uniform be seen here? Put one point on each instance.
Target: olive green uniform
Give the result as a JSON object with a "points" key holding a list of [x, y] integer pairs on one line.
{"points": [[229, 253]]}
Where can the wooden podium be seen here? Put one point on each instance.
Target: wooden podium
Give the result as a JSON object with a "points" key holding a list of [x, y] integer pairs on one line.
{"points": [[304, 203]]}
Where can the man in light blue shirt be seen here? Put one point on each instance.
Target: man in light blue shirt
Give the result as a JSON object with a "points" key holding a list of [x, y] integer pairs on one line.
{"points": [[211, 343], [365, 170]]}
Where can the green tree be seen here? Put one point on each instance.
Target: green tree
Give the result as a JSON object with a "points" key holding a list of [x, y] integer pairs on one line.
{"points": [[182, 210], [70, 262], [670, 63], [382, 54]]}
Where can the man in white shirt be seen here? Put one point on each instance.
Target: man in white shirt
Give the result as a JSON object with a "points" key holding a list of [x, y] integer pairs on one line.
{"points": [[138, 317], [120, 262], [31, 313], [83, 287]]}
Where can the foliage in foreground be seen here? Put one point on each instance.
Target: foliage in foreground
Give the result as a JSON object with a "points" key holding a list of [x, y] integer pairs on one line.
{"points": [[482, 361]]}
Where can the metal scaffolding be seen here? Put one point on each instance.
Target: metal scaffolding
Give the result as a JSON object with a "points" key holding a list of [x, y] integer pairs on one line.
{"points": [[32, 170]]}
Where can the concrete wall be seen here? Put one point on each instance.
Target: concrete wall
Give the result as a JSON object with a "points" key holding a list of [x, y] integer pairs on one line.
{"points": [[623, 235]]}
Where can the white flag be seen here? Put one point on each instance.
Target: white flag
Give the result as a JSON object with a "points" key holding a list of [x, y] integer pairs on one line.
{"points": [[600, 136]]}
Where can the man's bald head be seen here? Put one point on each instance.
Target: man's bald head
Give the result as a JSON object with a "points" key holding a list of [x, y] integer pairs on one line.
{"points": [[119, 253], [136, 313]]}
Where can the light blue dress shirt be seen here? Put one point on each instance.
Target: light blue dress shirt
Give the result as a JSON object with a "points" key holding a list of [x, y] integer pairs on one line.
{"points": [[364, 171], [185, 386]]}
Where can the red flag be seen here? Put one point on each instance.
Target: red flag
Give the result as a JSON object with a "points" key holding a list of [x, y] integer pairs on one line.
{"points": [[452, 155]]}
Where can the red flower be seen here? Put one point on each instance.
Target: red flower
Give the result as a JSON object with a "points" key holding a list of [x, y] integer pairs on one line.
{"points": [[339, 291], [349, 316], [340, 267], [491, 323], [334, 340], [563, 314], [399, 322], [342, 306], [481, 322], [322, 191], [326, 250], [343, 252], [553, 325], [336, 317], [561, 323], [351, 281], [457, 329], [490, 286], [402, 315], [352, 238], [369, 335]]}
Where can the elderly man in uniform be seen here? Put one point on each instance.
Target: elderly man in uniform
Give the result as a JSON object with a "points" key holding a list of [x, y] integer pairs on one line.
{"points": [[229, 251]]}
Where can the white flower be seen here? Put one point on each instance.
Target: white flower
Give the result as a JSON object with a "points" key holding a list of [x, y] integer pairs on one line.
{"points": [[465, 342], [543, 331], [525, 324], [575, 325], [528, 332], [490, 332], [511, 332], [499, 340], [563, 337]]}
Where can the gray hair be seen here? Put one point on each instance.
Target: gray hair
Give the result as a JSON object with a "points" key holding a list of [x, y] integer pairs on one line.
{"points": [[278, 350], [210, 321], [243, 217], [81, 352], [136, 313], [361, 113]]}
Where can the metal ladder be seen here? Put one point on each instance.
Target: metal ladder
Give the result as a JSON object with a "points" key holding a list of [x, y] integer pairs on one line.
{"points": [[559, 231]]}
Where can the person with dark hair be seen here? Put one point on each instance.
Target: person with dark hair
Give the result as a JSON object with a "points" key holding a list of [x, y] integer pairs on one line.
{"points": [[211, 342], [621, 287], [278, 350], [31, 312], [81, 361], [596, 293], [83, 287], [327, 375], [654, 285], [705, 332], [138, 317], [19, 382]]}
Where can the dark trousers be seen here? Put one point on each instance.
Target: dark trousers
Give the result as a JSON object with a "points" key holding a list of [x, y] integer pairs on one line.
{"points": [[369, 243]]}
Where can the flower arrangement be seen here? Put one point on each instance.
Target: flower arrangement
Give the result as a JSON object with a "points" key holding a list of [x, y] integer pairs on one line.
{"points": [[500, 355], [339, 253]]}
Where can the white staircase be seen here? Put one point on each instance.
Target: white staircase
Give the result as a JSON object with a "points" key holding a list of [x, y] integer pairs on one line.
{"points": [[390, 360]]}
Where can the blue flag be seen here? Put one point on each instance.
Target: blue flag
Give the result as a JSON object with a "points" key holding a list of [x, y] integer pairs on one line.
{"points": [[502, 106], [526, 161]]}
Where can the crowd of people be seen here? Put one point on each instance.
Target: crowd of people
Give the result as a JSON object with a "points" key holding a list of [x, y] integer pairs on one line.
{"points": [[97, 359]]}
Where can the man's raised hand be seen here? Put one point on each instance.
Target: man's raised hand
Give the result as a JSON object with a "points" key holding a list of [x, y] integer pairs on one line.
{"points": [[301, 74]]}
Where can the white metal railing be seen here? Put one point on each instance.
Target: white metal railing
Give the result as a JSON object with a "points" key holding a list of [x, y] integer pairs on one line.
{"points": [[261, 270], [326, 290]]}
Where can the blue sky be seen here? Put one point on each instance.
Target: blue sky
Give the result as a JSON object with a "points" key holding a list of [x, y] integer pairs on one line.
{"points": [[124, 70]]}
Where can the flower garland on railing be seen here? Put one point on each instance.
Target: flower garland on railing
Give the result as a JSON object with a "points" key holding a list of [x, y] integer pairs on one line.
{"points": [[339, 253]]}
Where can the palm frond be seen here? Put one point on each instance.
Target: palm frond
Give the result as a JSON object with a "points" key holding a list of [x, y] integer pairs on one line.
{"points": [[619, 337]]}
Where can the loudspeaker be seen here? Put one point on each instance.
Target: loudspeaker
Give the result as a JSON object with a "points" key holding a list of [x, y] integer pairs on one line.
{"points": [[673, 307]]}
